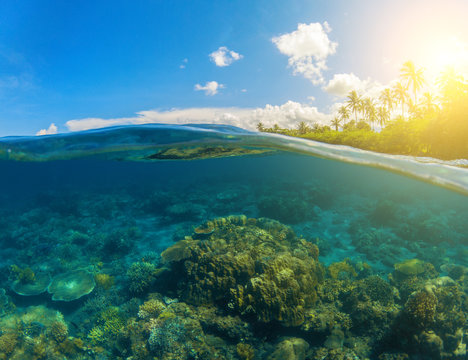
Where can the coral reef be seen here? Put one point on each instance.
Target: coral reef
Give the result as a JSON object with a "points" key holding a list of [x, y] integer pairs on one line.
{"points": [[410, 267], [6, 305], [58, 331], [245, 351], [342, 269], [151, 309], [71, 285], [109, 324], [256, 267], [8, 343], [171, 283], [23, 275], [26, 282], [203, 152], [421, 308], [431, 322], [141, 276], [284, 208], [104, 281], [290, 349], [38, 333]]}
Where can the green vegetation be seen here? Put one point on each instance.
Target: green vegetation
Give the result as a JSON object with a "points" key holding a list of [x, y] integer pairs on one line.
{"points": [[428, 125]]}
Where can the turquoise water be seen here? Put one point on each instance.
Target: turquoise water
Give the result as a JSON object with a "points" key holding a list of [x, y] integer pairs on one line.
{"points": [[211, 242]]}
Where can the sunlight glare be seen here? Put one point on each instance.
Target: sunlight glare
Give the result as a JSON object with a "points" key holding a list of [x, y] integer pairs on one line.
{"points": [[449, 53]]}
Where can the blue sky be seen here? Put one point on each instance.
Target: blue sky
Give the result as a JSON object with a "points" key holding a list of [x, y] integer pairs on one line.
{"points": [[85, 64]]}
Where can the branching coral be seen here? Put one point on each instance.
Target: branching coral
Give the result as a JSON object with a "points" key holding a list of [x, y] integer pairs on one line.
{"points": [[8, 342], [110, 323], [141, 276], [151, 309], [421, 308], [58, 331], [104, 281]]}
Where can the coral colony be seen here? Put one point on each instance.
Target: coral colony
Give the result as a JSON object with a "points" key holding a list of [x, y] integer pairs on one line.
{"points": [[264, 255]]}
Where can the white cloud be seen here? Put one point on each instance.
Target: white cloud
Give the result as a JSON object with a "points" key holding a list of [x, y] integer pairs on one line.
{"points": [[184, 63], [289, 115], [224, 57], [342, 84], [210, 88], [50, 131], [286, 115], [307, 48]]}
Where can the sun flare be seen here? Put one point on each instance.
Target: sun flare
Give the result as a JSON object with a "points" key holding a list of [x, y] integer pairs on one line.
{"points": [[448, 53]]}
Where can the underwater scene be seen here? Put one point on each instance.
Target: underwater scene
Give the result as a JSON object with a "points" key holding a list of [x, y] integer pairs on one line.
{"points": [[212, 242]]}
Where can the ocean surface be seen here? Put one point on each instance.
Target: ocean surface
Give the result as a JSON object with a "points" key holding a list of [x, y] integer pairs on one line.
{"points": [[213, 242]]}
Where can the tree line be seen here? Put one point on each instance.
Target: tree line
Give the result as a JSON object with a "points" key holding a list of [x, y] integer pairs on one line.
{"points": [[400, 120]]}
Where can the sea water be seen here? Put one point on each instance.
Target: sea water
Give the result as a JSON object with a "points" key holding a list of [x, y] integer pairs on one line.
{"points": [[212, 242]]}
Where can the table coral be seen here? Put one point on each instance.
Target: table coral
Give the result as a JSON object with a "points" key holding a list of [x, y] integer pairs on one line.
{"points": [[410, 267], [71, 285]]}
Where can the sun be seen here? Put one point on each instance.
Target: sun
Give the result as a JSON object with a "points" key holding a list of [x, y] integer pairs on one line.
{"points": [[448, 53]]}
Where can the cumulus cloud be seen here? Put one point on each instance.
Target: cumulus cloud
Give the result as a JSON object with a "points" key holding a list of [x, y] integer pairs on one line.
{"points": [[286, 115], [307, 48], [50, 131], [224, 57], [342, 84], [289, 115], [210, 87]]}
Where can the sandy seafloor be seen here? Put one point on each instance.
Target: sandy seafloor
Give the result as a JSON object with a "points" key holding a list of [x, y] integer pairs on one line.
{"points": [[283, 256]]}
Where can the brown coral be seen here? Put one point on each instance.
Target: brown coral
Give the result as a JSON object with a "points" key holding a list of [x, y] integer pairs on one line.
{"points": [[421, 308], [245, 351], [58, 331], [8, 342], [255, 267], [104, 281], [342, 269], [151, 309]]}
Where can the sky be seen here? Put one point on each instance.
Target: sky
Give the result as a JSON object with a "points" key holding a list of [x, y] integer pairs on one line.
{"points": [[75, 65]]}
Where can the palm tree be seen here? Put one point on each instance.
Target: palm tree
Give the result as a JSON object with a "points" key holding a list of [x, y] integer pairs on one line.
{"points": [[401, 94], [428, 102], [414, 109], [354, 102], [369, 110], [336, 122], [343, 111], [260, 127], [362, 107], [413, 76], [386, 98], [451, 85], [383, 115], [316, 127], [303, 128]]}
